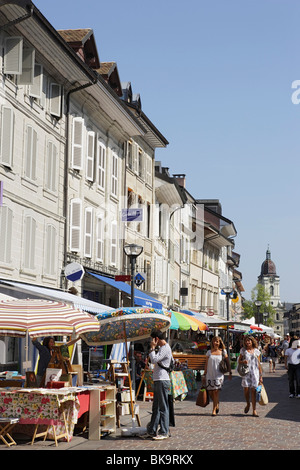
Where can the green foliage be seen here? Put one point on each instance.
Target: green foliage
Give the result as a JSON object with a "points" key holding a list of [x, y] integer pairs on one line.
{"points": [[251, 310]]}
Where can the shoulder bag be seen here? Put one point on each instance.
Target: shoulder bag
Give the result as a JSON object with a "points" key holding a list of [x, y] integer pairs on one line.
{"points": [[223, 366]]}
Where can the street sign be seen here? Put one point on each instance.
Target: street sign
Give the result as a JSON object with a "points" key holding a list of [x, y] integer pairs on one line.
{"points": [[123, 278], [74, 272], [139, 279]]}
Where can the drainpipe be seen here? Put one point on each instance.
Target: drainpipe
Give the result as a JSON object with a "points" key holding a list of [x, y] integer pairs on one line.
{"points": [[66, 170]]}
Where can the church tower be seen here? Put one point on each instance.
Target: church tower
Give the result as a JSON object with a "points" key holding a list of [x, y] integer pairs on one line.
{"points": [[269, 279], [271, 282]]}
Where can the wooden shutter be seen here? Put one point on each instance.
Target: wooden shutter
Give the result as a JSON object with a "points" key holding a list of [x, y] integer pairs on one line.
{"points": [[101, 165], [99, 241], [50, 247], [7, 128], [90, 156], [36, 88], [6, 218], [31, 153], [27, 76], [13, 54], [29, 245], [75, 225], [113, 257], [51, 167], [77, 143], [55, 99], [88, 232]]}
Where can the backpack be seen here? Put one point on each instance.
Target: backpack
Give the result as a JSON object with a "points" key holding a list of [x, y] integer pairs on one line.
{"points": [[171, 366]]}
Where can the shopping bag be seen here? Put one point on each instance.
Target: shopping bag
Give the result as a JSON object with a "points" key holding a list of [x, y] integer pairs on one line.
{"points": [[202, 398], [263, 397]]}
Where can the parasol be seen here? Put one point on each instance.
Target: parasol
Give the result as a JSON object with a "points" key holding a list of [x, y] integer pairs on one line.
{"points": [[37, 317], [128, 324], [183, 321], [137, 321]]}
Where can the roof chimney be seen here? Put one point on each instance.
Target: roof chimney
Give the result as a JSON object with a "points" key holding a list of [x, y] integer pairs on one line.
{"points": [[180, 180]]}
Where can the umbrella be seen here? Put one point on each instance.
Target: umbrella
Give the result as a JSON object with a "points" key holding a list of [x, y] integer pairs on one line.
{"points": [[37, 317], [137, 321], [183, 321], [128, 324]]}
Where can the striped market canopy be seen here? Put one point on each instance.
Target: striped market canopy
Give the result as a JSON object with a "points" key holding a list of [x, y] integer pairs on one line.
{"points": [[183, 321], [39, 317]]}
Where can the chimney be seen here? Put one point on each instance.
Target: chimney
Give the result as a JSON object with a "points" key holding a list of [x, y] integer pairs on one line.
{"points": [[180, 180]]}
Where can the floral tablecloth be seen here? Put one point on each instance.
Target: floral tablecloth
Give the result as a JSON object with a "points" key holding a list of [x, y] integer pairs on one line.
{"points": [[41, 407], [178, 386], [190, 379]]}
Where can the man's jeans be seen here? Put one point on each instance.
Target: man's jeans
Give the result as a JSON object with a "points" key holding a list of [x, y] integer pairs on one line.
{"points": [[160, 408], [294, 376]]}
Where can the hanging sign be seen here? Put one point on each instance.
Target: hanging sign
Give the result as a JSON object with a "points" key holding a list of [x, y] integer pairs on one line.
{"points": [[74, 272]]}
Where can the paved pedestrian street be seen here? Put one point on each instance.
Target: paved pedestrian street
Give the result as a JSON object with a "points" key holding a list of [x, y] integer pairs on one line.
{"points": [[276, 428]]}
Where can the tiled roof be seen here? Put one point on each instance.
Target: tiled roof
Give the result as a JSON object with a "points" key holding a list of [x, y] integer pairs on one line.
{"points": [[75, 35]]}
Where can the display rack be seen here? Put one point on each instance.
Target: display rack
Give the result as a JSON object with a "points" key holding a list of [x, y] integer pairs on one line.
{"points": [[102, 413]]}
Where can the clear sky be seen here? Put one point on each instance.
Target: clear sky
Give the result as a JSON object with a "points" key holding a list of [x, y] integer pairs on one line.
{"points": [[215, 77]]}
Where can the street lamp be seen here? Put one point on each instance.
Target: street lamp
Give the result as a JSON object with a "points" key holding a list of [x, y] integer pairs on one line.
{"points": [[227, 291], [258, 304], [132, 251]]}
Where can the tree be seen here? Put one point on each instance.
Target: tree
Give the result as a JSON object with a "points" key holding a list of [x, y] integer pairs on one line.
{"points": [[251, 310]]}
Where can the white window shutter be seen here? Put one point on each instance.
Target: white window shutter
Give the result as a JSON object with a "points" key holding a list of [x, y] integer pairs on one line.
{"points": [[6, 218], [13, 54], [99, 242], [50, 247], [77, 143], [90, 156], [75, 225], [113, 257], [101, 165], [114, 176], [36, 88], [29, 244], [27, 76], [88, 231], [7, 133], [31, 153], [51, 167], [55, 99]]}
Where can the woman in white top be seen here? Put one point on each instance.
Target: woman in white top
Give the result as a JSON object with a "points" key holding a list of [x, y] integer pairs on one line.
{"points": [[212, 376], [250, 355]]}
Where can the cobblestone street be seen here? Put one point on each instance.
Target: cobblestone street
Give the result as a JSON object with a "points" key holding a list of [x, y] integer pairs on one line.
{"points": [[277, 428]]}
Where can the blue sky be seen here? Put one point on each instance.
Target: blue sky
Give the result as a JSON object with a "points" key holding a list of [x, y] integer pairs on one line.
{"points": [[215, 77]]}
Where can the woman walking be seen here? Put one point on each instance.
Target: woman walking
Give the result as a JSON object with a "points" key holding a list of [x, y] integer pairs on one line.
{"points": [[213, 377], [250, 354]]}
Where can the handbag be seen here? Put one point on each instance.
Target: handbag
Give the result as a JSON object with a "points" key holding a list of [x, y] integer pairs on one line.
{"points": [[223, 366], [263, 397], [202, 398], [242, 369]]}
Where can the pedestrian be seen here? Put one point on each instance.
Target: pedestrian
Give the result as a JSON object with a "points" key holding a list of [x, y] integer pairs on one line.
{"points": [[293, 370], [213, 377], [271, 350], [250, 355], [161, 359]]}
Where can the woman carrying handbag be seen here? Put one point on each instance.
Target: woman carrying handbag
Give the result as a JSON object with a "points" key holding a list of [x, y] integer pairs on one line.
{"points": [[213, 376], [249, 355]]}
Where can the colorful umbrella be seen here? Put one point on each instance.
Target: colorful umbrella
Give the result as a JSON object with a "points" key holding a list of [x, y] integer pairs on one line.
{"points": [[183, 321], [127, 324], [37, 317]]}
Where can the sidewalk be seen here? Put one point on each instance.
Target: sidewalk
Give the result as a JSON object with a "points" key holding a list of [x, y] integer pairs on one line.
{"points": [[277, 428]]}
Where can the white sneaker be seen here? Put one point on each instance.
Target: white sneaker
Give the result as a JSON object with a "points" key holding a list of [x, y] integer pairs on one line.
{"points": [[298, 396], [291, 396], [160, 437]]}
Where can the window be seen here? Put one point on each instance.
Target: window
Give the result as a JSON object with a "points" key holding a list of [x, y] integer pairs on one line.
{"points": [[7, 128], [77, 143], [31, 153], [88, 229], [75, 225], [36, 88], [148, 169], [130, 155], [100, 241], [29, 242], [50, 250], [101, 165], [55, 99], [13, 55], [90, 156], [114, 176], [51, 167], [140, 162], [27, 76], [6, 218], [113, 257]]}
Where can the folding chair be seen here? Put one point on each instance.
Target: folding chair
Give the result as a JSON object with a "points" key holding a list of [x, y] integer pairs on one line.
{"points": [[5, 429]]}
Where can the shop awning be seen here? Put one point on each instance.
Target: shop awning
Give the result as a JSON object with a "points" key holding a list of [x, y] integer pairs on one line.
{"points": [[22, 290], [141, 299]]}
